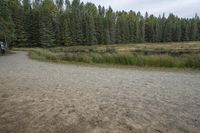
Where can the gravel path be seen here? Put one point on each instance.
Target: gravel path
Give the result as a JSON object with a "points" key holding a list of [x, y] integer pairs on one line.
{"points": [[39, 97]]}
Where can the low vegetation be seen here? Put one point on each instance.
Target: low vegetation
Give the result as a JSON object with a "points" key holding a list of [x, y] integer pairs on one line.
{"points": [[178, 55]]}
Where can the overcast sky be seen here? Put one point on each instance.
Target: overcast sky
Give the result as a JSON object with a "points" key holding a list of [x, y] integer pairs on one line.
{"points": [[182, 8]]}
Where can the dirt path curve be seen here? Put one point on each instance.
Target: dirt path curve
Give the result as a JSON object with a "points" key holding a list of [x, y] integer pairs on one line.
{"points": [[38, 97]]}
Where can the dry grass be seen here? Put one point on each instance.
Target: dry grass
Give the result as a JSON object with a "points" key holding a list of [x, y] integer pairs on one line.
{"points": [[177, 55]]}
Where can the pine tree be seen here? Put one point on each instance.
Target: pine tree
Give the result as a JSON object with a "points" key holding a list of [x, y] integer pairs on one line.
{"points": [[110, 18], [99, 24], [157, 31], [47, 23], [7, 28], [118, 32], [124, 29], [185, 30], [131, 27], [198, 27], [18, 17], [89, 24], [194, 30], [27, 20], [106, 34], [60, 4], [47, 34], [67, 40], [168, 29], [177, 33], [76, 22], [34, 30], [141, 28], [90, 33]]}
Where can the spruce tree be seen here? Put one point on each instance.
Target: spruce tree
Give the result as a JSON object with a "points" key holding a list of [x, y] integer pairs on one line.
{"points": [[7, 28], [18, 17], [141, 28], [76, 22], [131, 27], [47, 34], [67, 40], [47, 23], [99, 25], [106, 34], [110, 18], [185, 30], [193, 30]]}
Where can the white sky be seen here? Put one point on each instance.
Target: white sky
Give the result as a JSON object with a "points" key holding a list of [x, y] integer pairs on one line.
{"points": [[182, 8]]}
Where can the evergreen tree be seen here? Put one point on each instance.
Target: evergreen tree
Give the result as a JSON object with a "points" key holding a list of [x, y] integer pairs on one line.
{"points": [[193, 29], [27, 20], [67, 40], [47, 23], [118, 36], [177, 32], [34, 28], [89, 24], [7, 28], [60, 4], [141, 28], [18, 19], [198, 27], [90, 33], [47, 34], [110, 18], [76, 22], [131, 27], [99, 25], [157, 32], [106, 34], [185, 30]]}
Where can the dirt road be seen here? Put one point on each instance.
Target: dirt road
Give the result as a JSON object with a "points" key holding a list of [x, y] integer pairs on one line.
{"points": [[38, 97]]}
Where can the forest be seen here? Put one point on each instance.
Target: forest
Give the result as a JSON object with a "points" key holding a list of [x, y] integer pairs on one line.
{"points": [[49, 23]]}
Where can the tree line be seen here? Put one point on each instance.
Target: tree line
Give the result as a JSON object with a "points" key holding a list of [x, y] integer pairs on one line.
{"points": [[48, 23]]}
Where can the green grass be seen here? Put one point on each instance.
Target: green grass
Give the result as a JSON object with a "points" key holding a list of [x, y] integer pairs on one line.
{"points": [[188, 55], [190, 61]]}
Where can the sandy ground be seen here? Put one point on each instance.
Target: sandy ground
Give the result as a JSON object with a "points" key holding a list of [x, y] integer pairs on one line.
{"points": [[38, 97]]}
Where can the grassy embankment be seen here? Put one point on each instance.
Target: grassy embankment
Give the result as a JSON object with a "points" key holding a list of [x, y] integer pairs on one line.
{"points": [[173, 55]]}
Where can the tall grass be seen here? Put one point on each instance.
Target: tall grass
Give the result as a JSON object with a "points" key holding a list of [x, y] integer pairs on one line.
{"points": [[184, 61], [137, 60], [44, 54], [187, 61]]}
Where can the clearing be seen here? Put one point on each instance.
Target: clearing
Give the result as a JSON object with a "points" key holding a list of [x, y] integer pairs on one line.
{"points": [[39, 97]]}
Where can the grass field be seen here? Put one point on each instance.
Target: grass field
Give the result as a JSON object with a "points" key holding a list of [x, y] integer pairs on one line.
{"points": [[177, 55]]}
